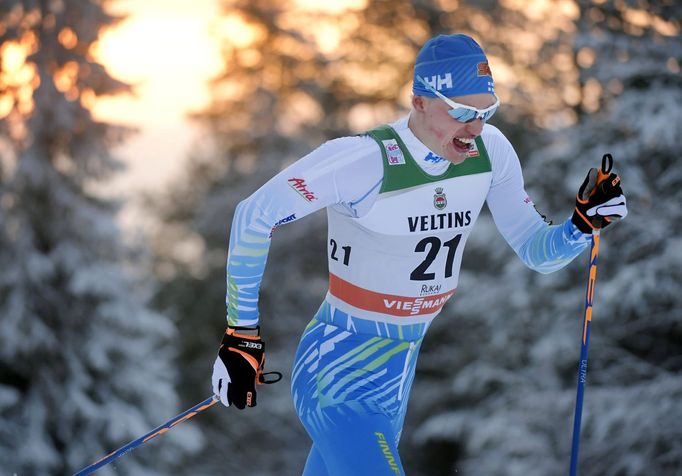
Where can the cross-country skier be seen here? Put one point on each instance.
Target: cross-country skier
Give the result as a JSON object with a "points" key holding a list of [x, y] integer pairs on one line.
{"points": [[401, 201]]}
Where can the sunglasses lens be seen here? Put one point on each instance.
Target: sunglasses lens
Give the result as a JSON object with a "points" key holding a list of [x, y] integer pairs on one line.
{"points": [[466, 115], [489, 114], [462, 114]]}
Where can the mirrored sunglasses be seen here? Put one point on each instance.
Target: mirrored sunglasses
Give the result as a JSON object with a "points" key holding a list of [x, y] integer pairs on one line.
{"points": [[462, 112]]}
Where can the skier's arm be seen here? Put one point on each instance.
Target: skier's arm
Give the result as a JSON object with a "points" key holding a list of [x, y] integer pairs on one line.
{"points": [[542, 247], [343, 172], [553, 247], [316, 181]]}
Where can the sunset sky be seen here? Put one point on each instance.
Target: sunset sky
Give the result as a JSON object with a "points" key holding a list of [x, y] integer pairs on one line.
{"points": [[165, 50], [169, 50]]}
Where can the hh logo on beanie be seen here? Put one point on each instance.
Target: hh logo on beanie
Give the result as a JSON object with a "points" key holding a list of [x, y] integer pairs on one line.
{"points": [[454, 65]]}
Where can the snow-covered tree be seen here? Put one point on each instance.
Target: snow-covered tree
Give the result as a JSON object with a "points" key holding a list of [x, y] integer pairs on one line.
{"points": [[85, 364]]}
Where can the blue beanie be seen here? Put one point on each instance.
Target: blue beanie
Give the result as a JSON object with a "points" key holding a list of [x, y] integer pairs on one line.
{"points": [[455, 65]]}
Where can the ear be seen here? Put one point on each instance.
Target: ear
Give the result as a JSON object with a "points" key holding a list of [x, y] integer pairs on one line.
{"points": [[419, 103]]}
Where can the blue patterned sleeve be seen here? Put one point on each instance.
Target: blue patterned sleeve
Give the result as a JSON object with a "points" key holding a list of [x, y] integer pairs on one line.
{"points": [[314, 182], [552, 247], [250, 243], [294, 193], [541, 246]]}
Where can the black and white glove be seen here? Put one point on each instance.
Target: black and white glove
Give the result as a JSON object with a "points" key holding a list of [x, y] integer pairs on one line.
{"points": [[239, 367], [600, 200]]}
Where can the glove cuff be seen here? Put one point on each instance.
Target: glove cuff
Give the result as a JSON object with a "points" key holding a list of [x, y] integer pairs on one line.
{"points": [[242, 331], [582, 222]]}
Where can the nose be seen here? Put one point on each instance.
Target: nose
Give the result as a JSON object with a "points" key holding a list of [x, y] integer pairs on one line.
{"points": [[475, 127]]}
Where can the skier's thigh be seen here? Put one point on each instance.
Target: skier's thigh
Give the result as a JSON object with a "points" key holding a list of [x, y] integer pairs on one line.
{"points": [[315, 466], [354, 444]]}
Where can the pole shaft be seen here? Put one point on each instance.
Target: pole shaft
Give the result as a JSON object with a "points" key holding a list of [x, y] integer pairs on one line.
{"points": [[584, 342], [186, 415]]}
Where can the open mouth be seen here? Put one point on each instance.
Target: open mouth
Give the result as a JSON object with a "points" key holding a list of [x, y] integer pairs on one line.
{"points": [[462, 144]]}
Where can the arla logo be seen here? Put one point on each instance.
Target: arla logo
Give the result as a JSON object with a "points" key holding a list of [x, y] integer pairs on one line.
{"points": [[299, 185], [439, 200], [393, 153]]}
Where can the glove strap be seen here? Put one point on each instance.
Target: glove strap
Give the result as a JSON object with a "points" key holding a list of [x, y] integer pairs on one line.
{"points": [[263, 380], [583, 218], [606, 165]]}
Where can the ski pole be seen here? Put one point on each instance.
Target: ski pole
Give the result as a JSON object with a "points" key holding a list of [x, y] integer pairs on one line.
{"points": [[606, 164], [186, 415], [582, 367]]}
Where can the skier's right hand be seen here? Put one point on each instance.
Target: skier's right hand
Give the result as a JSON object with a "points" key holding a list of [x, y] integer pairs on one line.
{"points": [[238, 367]]}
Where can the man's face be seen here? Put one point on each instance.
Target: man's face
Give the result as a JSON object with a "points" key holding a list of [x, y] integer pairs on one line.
{"points": [[445, 136]]}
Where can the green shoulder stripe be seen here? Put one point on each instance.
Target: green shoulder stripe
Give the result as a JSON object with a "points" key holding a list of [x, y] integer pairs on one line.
{"points": [[401, 171]]}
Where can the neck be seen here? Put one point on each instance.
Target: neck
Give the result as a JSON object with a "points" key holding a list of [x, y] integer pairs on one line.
{"points": [[414, 125]]}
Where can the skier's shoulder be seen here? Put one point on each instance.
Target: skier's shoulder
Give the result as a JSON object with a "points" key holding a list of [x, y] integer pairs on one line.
{"points": [[494, 139], [344, 157], [351, 164], [346, 150]]}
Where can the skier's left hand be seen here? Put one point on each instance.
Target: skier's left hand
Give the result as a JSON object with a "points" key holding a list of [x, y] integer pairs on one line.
{"points": [[600, 201]]}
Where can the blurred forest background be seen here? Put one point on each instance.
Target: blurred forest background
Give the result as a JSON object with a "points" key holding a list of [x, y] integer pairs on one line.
{"points": [[103, 337]]}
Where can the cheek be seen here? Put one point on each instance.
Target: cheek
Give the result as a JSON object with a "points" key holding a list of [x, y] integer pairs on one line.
{"points": [[438, 127], [440, 135]]}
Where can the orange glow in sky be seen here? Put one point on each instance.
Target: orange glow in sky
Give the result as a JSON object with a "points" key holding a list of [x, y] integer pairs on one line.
{"points": [[165, 50]]}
